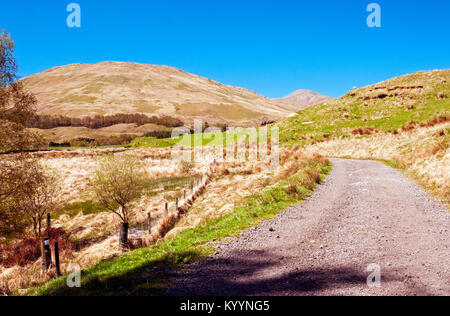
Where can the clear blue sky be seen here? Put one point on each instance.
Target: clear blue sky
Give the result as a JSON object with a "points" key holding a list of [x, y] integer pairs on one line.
{"points": [[270, 46]]}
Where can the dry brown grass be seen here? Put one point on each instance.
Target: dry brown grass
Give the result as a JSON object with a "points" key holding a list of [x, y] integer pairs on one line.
{"points": [[410, 126], [422, 151], [364, 131]]}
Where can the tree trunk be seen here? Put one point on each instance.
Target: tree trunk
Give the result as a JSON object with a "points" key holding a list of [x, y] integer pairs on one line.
{"points": [[39, 228], [123, 235], [35, 230], [124, 214]]}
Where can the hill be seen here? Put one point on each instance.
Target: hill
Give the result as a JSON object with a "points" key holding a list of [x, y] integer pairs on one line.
{"points": [[383, 107], [107, 88], [302, 99]]}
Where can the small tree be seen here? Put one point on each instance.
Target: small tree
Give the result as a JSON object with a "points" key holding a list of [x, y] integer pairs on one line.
{"points": [[118, 181], [37, 196]]}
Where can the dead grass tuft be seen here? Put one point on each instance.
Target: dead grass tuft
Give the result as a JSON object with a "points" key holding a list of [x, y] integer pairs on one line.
{"points": [[363, 131], [441, 95]]}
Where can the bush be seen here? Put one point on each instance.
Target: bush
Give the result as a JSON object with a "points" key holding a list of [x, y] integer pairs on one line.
{"points": [[159, 134], [28, 250], [56, 145]]}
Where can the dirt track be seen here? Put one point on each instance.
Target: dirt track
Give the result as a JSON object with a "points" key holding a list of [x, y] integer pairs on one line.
{"points": [[364, 213]]}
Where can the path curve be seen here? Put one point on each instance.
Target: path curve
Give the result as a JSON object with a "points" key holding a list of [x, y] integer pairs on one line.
{"points": [[364, 213]]}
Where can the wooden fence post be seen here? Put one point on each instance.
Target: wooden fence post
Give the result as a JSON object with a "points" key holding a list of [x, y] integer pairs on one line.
{"points": [[176, 205], [184, 193], [149, 222], [46, 254], [57, 265], [167, 207]]}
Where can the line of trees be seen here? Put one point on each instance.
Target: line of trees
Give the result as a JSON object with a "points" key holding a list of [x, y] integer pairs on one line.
{"points": [[100, 121], [114, 140]]}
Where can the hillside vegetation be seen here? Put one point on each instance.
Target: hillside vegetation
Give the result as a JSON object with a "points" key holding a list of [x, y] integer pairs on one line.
{"points": [[116, 87], [384, 107]]}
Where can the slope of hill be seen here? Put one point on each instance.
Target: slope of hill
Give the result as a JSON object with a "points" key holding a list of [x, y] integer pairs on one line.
{"points": [[302, 99], [386, 106], [116, 87]]}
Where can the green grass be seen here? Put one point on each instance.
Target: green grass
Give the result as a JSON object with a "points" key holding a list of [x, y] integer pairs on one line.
{"points": [[393, 164], [136, 272], [194, 140], [340, 117], [73, 209]]}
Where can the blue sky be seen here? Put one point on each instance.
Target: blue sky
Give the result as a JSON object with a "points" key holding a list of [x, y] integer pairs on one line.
{"points": [[270, 46]]}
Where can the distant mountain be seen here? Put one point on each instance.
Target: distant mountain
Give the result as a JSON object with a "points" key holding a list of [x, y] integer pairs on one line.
{"points": [[117, 87], [302, 99]]}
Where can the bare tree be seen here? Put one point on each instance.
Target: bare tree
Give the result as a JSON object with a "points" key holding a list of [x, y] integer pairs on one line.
{"points": [[118, 181], [37, 196]]}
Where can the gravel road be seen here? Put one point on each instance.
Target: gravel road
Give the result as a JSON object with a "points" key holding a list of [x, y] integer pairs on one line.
{"points": [[365, 213]]}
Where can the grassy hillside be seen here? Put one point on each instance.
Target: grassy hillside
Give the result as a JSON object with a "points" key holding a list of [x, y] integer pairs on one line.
{"points": [[117, 87], [386, 106]]}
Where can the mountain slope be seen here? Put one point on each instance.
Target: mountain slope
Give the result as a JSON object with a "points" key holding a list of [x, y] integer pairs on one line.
{"points": [[302, 99], [115, 87], [386, 106]]}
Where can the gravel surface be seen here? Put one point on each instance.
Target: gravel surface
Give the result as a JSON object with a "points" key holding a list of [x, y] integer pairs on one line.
{"points": [[365, 213]]}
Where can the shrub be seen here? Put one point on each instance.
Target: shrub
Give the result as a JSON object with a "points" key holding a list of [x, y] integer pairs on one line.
{"points": [[159, 134], [28, 250]]}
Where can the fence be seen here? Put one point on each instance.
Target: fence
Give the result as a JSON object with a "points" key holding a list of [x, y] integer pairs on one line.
{"points": [[172, 213], [180, 207]]}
